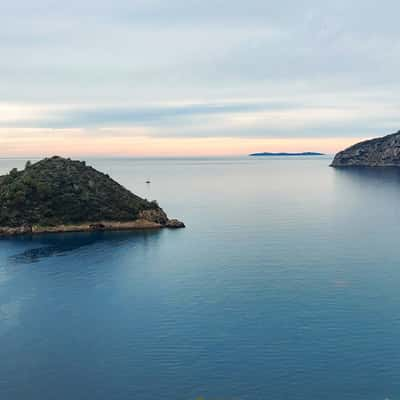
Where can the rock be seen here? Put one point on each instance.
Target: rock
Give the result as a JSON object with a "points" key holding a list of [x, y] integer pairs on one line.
{"points": [[174, 224], [156, 215], [380, 152], [97, 227], [19, 230]]}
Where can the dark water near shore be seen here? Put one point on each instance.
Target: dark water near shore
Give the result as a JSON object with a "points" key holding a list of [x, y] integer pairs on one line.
{"points": [[285, 285]]}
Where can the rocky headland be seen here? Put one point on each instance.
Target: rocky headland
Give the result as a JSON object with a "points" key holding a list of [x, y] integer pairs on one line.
{"points": [[379, 152], [61, 195]]}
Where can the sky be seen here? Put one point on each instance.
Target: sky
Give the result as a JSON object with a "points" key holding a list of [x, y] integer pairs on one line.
{"points": [[196, 77]]}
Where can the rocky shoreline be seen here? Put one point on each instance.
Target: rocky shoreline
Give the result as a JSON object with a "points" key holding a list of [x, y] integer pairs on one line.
{"points": [[90, 227]]}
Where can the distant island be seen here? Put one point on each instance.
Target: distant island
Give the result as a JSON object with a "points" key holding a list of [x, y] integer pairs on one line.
{"points": [[61, 195], [266, 154], [379, 152]]}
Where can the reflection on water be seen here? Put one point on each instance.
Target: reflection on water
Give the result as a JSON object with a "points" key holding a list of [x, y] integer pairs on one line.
{"points": [[384, 175], [61, 244]]}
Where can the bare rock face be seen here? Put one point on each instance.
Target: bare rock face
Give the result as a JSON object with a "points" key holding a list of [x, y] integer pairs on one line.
{"points": [[156, 215], [20, 230], [380, 152], [97, 227], [174, 224]]}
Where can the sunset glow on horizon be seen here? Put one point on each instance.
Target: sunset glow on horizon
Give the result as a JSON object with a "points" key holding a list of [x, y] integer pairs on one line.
{"points": [[75, 143]]}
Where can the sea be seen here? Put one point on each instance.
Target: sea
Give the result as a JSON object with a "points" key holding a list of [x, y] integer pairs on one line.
{"points": [[283, 286]]}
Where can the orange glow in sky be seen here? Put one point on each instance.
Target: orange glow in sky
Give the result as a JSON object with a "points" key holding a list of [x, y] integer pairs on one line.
{"points": [[76, 143]]}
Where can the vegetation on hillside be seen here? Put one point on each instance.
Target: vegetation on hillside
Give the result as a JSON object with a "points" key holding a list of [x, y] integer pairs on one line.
{"points": [[58, 191]]}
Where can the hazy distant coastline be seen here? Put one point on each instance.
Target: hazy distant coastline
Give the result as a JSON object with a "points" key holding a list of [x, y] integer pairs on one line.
{"points": [[266, 154]]}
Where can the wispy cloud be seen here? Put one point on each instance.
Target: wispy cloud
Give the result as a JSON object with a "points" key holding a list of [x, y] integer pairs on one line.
{"points": [[252, 118], [200, 69]]}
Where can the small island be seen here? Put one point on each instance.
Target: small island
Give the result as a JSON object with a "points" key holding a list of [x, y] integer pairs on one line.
{"points": [[379, 152], [266, 154], [62, 195]]}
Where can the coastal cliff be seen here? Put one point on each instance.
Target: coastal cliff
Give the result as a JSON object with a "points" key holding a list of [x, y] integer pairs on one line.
{"points": [[61, 195], [379, 152]]}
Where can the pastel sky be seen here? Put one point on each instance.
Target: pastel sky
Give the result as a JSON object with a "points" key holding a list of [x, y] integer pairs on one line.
{"points": [[196, 77]]}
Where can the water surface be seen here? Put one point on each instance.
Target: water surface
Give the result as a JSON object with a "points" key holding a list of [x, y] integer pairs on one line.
{"points": [[283, 286]]}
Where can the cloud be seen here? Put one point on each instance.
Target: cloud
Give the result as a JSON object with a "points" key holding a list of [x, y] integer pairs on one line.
{"points": [[281, 118], [200, 68], [99, 116]]}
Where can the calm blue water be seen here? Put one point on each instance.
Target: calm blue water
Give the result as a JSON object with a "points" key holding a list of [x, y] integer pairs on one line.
{"points": [[285, 285]]}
